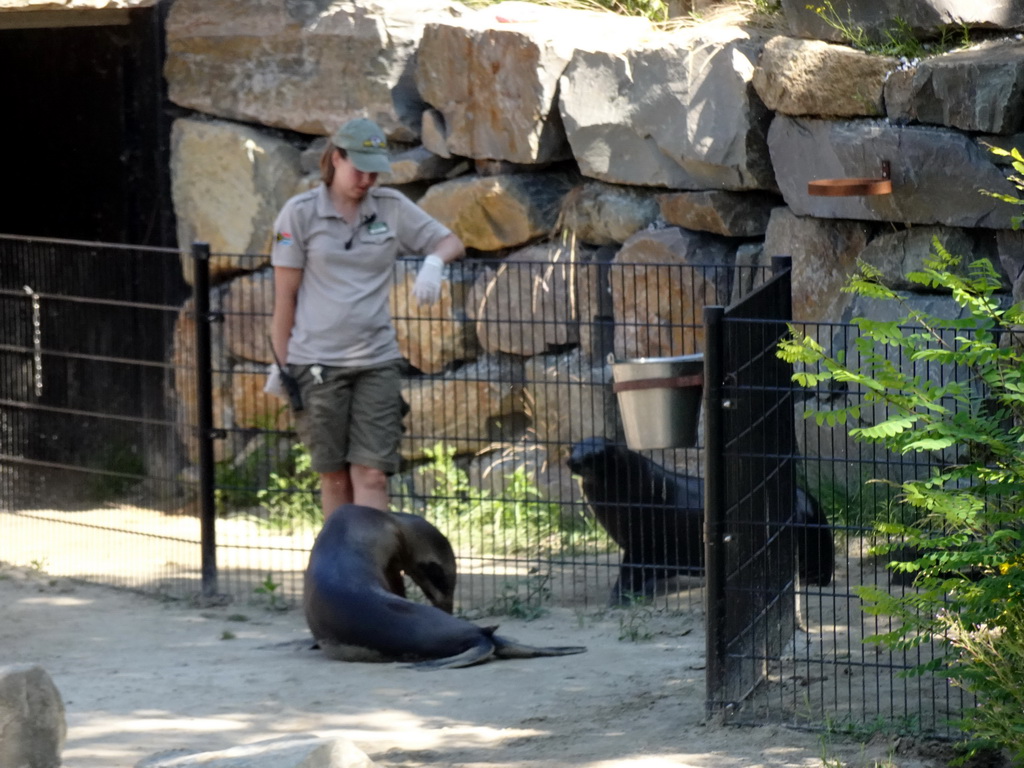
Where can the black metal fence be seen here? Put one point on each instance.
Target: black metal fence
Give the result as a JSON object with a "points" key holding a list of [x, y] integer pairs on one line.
{"points": [[137, 448], [751, 505]]}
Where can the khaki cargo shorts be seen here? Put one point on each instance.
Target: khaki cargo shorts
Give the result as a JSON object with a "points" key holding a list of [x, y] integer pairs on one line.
{"points": [[351, 416]]}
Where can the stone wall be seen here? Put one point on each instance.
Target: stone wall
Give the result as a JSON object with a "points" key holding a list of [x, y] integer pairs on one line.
{"points": [[551, 137]]}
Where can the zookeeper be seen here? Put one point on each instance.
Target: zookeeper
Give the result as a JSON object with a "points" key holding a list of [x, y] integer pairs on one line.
{"points": [[334, 253]]}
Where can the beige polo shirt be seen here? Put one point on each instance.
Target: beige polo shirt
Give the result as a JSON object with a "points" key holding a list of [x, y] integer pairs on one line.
{"points": [[343, 314]]}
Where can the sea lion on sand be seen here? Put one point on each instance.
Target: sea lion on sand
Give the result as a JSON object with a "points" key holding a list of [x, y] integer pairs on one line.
{"points": [[355, 614], [657, 517]]}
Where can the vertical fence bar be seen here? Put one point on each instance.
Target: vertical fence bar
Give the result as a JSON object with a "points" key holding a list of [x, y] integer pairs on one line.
{"points": [[204, 417], [714, 507], [779, 265]]}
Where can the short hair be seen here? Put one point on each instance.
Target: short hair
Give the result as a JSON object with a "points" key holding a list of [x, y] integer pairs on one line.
{"points": [[326, 164]]}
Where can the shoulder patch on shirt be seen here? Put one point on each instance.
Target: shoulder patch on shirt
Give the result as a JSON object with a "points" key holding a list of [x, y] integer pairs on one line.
{"points": [[284, 238]]}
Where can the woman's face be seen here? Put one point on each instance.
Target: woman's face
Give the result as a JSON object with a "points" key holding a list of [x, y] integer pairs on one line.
{"points": [[349, 180]]}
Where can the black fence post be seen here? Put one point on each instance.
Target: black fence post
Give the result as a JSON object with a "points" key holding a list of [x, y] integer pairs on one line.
{"points": [[204, 417], [779, 265], [714, 506]]}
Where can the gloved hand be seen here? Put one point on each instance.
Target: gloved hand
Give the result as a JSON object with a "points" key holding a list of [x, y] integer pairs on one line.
{"points": [[275, 385], [427, 288]]}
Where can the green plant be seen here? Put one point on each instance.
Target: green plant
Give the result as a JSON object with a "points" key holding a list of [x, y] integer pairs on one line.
{"points": [[228, 635], [634, 623], [767, 7], [269, 594], [525, 598], [852, 505], [231, 490], [236, 483], [992, 657], [120, 468], [899, 39], [860, 731], [291, 497], [1017, 178], [827, 760], [964, 518], [515, 521], [238, 479]]}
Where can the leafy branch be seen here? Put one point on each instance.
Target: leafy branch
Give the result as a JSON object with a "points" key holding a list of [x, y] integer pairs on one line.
{"points": [[964, 518]]}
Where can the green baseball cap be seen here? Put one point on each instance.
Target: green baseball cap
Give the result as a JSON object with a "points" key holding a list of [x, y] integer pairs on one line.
{"points": [[366, 145]]}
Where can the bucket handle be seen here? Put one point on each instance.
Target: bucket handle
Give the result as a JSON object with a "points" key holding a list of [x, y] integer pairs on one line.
{"points": [[675, 382]]}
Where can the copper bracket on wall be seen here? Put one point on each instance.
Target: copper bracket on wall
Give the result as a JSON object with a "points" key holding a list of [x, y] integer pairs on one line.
{"points": [[853, 186]]}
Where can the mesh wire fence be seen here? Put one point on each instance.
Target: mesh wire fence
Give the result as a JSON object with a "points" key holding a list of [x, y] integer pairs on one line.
{"points": [[88, 446], [503, 377], [833, 672], [99, 441]]}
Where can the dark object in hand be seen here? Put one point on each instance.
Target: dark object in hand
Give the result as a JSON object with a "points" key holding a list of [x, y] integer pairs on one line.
{"points": [[289, 382], [291, 386]]}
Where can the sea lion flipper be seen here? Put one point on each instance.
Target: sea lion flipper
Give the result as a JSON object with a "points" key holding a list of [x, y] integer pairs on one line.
{"points": [[504, 648], [474, 655]]}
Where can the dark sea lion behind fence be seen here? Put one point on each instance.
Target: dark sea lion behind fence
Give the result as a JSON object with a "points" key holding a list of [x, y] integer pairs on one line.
{"points": [[657, 517]]}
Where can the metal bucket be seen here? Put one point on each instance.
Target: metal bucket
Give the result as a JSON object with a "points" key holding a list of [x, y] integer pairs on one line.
{"points": [[659, 400]]}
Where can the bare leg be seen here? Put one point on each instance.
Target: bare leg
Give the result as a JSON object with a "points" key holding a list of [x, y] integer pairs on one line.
{"points": [[335, 490], [369, 486]]}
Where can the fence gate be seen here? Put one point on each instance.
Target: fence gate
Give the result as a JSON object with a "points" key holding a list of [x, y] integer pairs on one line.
{"points": [[750, 491], [90, 443]]}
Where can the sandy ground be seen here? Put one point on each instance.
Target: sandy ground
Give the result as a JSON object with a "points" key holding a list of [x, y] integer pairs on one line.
{"points": [[140, 676]]}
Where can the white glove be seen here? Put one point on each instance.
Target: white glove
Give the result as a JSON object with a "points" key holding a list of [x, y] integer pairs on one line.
{"points": [[274, 385], [427, 288]]}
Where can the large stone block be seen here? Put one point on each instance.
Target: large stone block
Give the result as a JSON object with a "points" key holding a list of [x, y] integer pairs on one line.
{"points": [[524, 307], [494, 470], [418, 164], [937, 174], [73, 5], [1010, 252], [307, 67], [824, 256], [569, 383], [434, 337], [228, 183], [678, 112], [810, 77], [896, 254], [660, 283], [974, 90], [463, 409], [493, 213], [248, 302], [732, 214], [184, 393], [32, 725], [595, 314], [251, 407], [493, 75], [925, 18], [606, 214]]}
